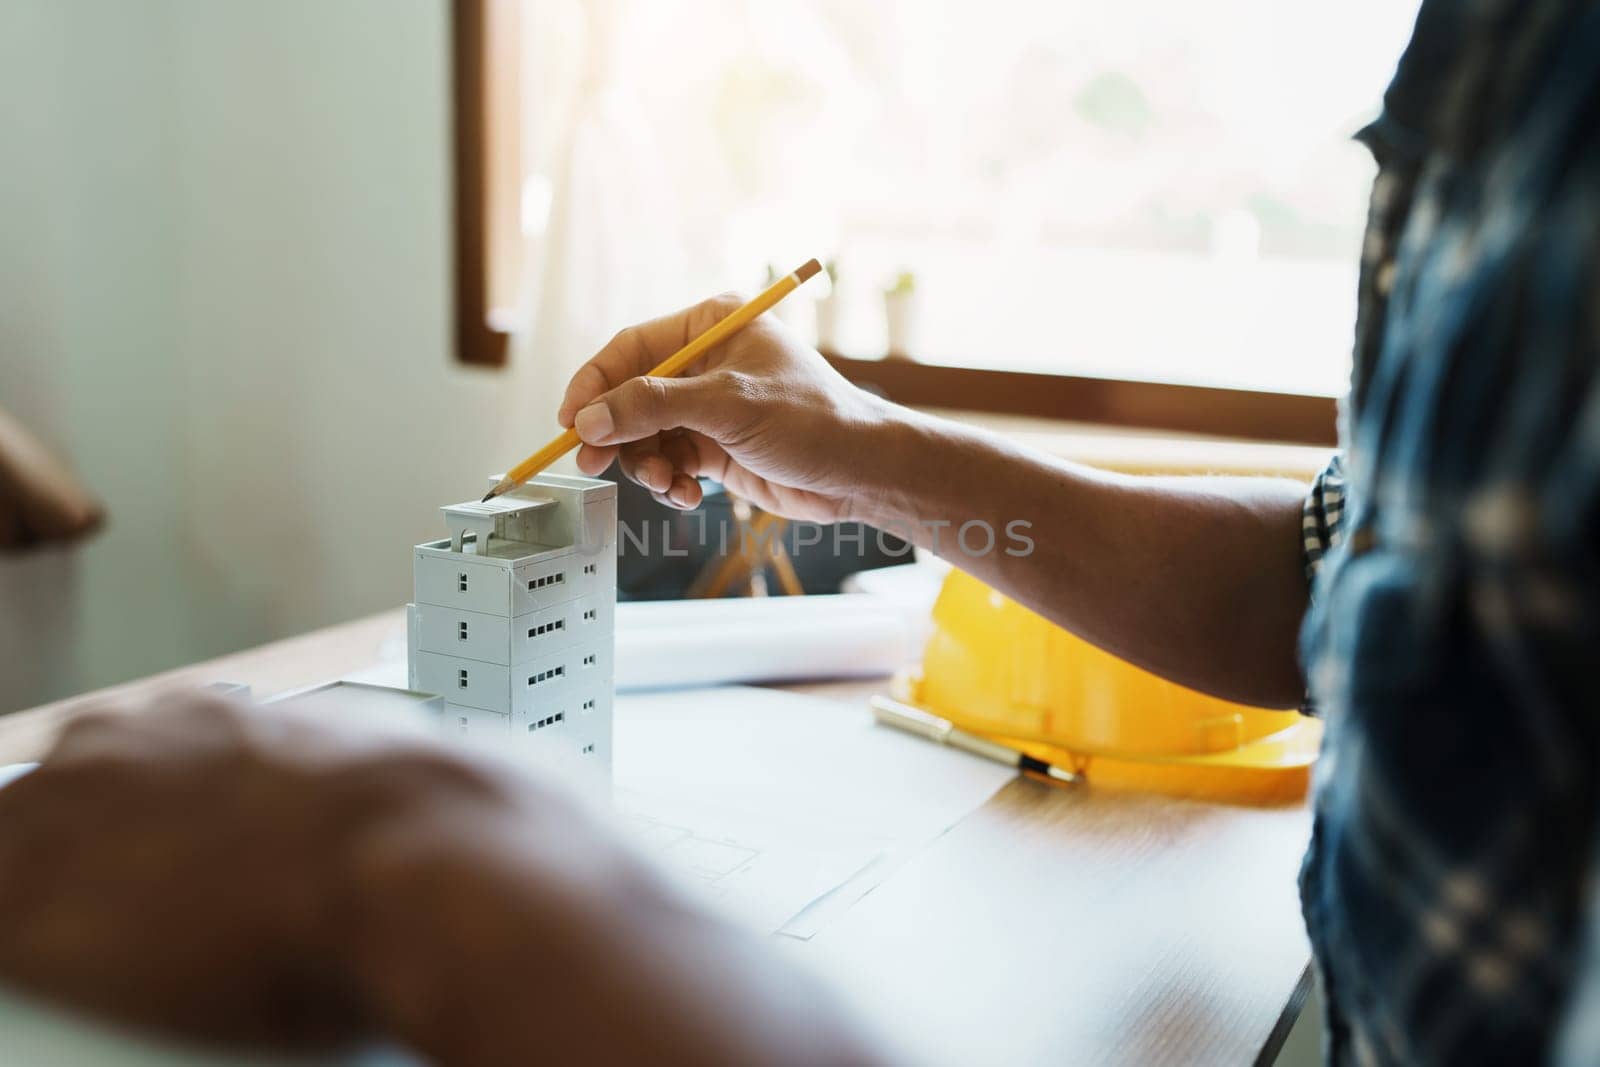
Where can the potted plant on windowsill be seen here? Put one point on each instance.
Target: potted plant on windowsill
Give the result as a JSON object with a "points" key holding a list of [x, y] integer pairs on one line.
{"points": [[900, 315]]}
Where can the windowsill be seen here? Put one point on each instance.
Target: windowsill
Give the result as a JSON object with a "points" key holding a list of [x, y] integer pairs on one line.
{"points": [[1170, 408], [1142, 451]]}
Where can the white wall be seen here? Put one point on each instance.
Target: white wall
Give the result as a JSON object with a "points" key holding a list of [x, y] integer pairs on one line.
{"points": [[86, 332], [225, 293], [327, 419]]}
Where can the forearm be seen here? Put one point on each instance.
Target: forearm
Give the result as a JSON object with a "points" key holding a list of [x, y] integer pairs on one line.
{"points": [[1197, 579], [457, 922]]}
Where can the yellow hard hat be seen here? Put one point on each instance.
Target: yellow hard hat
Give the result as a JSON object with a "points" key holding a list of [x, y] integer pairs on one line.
{"points": [[996, 668]]}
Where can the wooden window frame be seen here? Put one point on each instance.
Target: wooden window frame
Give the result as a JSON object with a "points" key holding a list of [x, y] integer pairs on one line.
{"points": [[486, 39], [487, 229]]}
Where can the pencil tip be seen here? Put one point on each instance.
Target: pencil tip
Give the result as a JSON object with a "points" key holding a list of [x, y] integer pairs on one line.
{"points": [[487, 497], [809, 269]]}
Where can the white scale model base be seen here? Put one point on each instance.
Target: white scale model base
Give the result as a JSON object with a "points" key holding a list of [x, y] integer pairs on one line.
{"points": [[513, 620]]}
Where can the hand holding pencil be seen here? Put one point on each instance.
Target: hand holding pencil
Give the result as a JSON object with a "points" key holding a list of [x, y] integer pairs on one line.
{"points": [[720, 330], [758, 411]]}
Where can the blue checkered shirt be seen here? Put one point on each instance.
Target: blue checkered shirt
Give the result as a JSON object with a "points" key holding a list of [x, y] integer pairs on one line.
{"points": [[1454, 554]]}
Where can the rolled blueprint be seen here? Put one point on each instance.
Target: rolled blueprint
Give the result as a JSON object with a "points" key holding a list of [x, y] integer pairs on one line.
{"points": [[664, 644]]}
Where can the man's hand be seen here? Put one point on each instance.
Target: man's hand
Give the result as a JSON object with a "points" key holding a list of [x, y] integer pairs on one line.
{"points": [[285, 877], [762, 413], [194, 867], [40, 501]]}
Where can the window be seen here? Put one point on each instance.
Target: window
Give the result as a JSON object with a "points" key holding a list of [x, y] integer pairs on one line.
{"points": [[1146, 213]]}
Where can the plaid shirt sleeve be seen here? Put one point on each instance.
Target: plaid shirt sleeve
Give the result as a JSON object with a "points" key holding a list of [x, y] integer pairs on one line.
{"points": [[1321, 531], [1322, 517]]}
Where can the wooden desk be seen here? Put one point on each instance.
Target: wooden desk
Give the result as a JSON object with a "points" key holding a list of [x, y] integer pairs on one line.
{"points": [[1051, 926]]}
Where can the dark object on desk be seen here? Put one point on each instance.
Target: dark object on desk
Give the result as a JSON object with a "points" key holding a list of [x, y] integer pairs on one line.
{"points": [[660, 550]]}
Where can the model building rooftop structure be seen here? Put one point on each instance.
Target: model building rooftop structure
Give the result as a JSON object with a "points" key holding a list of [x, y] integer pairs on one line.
{"points": [[512, 620], [482, 526]]}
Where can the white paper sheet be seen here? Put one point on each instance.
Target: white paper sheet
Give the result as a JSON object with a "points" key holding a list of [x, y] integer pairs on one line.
{"points": [[824, 803]]}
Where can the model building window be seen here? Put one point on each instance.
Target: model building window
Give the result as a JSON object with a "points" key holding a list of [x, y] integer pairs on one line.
{"points": [[1134, 192], [545, 676]]}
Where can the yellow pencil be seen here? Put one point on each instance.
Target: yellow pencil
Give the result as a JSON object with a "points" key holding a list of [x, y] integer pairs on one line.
{"points": [[670, 367]]}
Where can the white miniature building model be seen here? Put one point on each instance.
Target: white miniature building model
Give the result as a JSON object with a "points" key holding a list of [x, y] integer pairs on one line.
{"points": [[513, 618]]}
